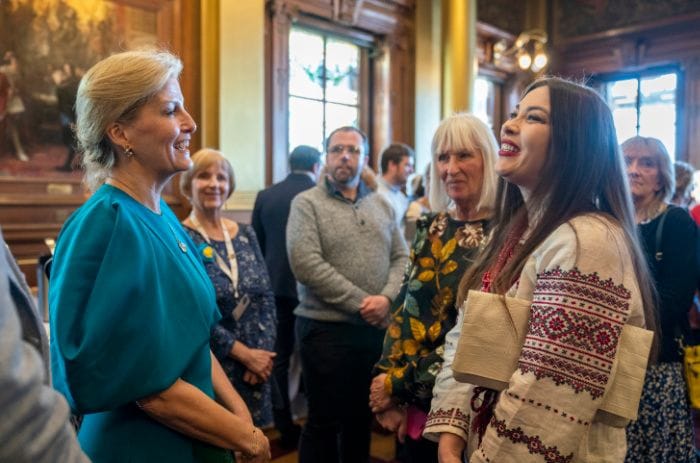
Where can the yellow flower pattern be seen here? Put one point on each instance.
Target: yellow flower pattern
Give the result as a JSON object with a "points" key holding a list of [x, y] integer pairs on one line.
{"points": [[424, 310]]}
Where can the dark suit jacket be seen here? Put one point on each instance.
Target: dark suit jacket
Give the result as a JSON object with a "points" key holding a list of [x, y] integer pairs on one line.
{"points": [[270, 215]]}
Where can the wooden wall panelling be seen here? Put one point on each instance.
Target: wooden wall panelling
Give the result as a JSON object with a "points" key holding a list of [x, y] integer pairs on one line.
{"points": [[487, 36], [279, 22], [606, 17], [668, 41], [33, 209], [511, 79], [692, 112], [375, 16], [402, 84]]}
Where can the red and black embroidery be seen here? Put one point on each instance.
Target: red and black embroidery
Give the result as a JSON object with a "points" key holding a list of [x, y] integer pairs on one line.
{"points": [[585, 286], [562, 323], [534, 444], [453, 417], [575, 375], [549, 408], [575, 325]]}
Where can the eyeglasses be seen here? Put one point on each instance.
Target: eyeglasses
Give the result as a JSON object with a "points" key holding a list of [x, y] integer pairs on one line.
{"points": [[339, 149]]}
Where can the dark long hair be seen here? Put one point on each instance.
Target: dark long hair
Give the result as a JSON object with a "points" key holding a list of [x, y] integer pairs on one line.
{"points": [[583, 173]]}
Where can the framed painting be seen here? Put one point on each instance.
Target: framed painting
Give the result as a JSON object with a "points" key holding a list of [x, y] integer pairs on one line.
{"points": [[45, 47]]}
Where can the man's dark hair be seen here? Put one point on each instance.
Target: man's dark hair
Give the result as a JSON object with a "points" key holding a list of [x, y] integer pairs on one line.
{"points": [[304, 158], [349, 128], [394, 153]]}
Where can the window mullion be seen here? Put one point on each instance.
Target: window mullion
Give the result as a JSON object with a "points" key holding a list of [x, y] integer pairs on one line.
{"points": [[325, 82], [639, 103]]}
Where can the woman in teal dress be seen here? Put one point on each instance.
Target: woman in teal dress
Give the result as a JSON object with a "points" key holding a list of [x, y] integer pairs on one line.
{"points": [[131, 304]]}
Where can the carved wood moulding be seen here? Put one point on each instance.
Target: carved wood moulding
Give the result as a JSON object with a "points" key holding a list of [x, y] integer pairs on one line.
{"points": [[375, 16], [667, 41], [487, 36], [385, 31]]}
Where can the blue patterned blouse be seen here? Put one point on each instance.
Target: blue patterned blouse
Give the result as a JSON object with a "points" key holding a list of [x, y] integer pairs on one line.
{"points": [[256, 328]]}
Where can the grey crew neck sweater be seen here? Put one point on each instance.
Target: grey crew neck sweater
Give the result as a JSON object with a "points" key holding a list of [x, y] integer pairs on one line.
{"points": [[340, 252]]}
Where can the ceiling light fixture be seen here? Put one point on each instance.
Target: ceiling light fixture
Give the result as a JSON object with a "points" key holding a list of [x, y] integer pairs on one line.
{"points": [[529, 50]]}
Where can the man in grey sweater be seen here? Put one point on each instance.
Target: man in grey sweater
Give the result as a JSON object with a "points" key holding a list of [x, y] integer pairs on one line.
{"points": [[348, 255]]}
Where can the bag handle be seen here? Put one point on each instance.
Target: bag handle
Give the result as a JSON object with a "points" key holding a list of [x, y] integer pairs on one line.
{"points": [[659, 254]]}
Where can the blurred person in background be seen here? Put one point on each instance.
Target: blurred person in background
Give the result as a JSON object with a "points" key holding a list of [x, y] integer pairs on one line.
{"points": [[663, 432], [270, 216], [396, 166], [682, 195]]}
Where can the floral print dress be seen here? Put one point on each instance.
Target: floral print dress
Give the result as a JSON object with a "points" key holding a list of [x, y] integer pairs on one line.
{"points": [[256, 328], [424, 310]]}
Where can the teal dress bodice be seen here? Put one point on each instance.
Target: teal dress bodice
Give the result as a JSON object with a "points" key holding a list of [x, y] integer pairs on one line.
{"points": [[131, 310]]}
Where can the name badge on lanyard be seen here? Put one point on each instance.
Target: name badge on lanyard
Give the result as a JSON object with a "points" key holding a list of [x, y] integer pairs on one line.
{"points": [[230, 270]]}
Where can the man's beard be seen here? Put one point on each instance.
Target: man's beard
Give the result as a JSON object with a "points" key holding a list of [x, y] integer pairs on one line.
{"points": [[348, 176]]}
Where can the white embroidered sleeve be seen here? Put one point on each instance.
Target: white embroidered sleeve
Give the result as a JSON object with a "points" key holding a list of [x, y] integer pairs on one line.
{"points": [[583, 290], [449, 409]]}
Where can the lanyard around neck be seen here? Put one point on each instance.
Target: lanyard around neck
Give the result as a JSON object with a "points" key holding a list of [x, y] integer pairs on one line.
{"points": [[230, 270]]}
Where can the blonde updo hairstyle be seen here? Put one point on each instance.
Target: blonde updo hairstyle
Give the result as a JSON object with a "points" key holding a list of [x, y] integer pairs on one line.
{"points": [[113, 90], [202, 160]]}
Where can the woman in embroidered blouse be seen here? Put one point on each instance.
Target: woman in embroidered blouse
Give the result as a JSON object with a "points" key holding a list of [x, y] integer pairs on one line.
{"points": [[244, 338], [462, 193], [563, 242], [131, 305], [664, 430]]}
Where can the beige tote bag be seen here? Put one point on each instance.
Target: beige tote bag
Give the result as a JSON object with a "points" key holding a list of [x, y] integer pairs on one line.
{"points": [[493, 334]]}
